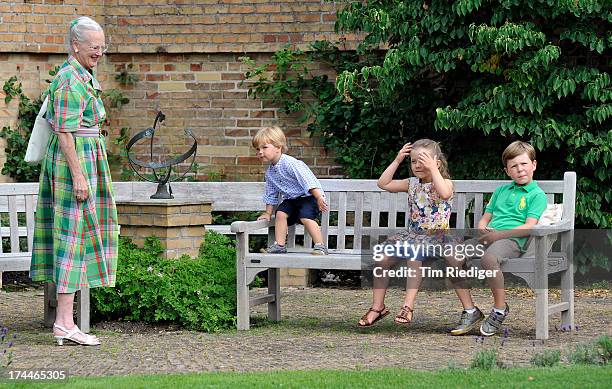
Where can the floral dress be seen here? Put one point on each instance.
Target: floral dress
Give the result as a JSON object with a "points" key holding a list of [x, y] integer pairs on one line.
{"points": [[429, 217]]}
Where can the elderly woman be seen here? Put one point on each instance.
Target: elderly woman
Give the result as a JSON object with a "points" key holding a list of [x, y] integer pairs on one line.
{"points": [[76, 233]]}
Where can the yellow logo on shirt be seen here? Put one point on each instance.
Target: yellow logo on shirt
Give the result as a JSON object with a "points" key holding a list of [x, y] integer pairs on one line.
{"points": [[522, 203]]}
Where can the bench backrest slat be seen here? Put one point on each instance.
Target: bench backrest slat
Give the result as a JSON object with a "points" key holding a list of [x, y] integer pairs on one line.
{"points": [[358, 220], [30, 208], [13, 224], [325, 221], [375, 214], [341, 219], [478, 207], [461, 203]]}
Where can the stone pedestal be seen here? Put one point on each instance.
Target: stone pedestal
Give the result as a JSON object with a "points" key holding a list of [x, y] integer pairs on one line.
{"points": [[178, 223], [294, 277]]}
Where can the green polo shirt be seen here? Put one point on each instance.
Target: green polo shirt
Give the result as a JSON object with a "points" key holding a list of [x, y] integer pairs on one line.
{"points": [[512, 204]]}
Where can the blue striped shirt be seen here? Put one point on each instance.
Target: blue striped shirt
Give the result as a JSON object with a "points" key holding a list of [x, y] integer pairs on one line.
{"points": [[288, 179]]}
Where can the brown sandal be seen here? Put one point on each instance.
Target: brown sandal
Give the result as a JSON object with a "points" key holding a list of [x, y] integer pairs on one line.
{"points": [[381, 314], [402, 316]]}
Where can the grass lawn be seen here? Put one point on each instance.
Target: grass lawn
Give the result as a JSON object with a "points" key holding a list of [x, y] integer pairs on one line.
{"points": [[563, 376]]}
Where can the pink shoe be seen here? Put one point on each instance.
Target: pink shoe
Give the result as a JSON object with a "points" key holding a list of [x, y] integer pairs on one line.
{"points": [[90, 340]]}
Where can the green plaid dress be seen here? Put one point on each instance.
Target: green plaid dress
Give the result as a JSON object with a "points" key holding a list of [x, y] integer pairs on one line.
{"points": [[75, 242]]}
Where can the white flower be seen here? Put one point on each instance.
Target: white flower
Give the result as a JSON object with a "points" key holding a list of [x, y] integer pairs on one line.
{"points": [[421, 199]]}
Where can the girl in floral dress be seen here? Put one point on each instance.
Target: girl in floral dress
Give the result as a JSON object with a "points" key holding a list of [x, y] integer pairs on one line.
{"points": [[430, 195]]}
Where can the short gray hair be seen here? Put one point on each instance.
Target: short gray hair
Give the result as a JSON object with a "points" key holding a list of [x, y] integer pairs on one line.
{"points": [[78, 27]]}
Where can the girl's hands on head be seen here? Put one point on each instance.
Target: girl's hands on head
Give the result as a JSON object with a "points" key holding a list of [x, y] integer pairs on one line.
{"points": [[428, 162], [404, 152]]}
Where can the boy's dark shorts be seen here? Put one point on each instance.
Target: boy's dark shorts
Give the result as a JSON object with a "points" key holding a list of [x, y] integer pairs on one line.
{"points": [[300, 208]]}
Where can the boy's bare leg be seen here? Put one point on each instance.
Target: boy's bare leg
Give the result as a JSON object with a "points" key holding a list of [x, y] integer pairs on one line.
{"points": [[490, 262], [459, 285], [280, 227], [465, 297], [313, 229]]}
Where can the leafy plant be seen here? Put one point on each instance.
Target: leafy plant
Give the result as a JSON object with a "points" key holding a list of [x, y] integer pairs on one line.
{"points": [[485, 359], [125, 77], [605, 348], [547, 358], [11, 90], [584, 354], [197, 293], [118, 161], [115, 97], [17, 139]]}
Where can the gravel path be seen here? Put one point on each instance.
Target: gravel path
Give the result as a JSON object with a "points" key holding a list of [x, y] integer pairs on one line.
{"points": [[318, 331]]}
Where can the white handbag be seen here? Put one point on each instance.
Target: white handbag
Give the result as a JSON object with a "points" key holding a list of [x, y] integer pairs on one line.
{"points": [[39, 138]]}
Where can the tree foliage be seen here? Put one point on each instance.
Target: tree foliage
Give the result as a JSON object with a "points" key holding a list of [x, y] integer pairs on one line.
{"points": [[474, 74]]}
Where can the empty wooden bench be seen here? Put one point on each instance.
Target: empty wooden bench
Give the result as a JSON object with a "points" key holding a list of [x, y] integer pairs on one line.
{"points": [[361, 200]]}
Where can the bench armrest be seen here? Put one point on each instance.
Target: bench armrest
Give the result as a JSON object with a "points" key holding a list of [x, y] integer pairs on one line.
{"points": [[562, 226], [244, 226]]}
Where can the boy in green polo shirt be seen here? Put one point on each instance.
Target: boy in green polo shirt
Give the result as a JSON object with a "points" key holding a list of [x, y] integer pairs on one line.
{"points": [[503, 229]]}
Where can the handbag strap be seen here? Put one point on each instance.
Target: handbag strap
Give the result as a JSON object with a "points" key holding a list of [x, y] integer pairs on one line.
{"points": [[43, 107]]}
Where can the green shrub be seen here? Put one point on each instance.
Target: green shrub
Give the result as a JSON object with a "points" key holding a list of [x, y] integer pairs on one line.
{"points": [[605, 348], [485, 359], [197, 293], [547, 358], [584, 354]]}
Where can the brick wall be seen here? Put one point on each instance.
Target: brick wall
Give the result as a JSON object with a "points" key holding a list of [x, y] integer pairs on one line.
{"points": [[186, 58]]}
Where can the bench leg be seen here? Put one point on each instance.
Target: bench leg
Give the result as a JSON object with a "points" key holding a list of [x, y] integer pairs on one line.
{"points": [[567, 282], [50, 301], [541, 289], [274, 288], [242, 288], [242, 309], [82, 299], [541, 314]]}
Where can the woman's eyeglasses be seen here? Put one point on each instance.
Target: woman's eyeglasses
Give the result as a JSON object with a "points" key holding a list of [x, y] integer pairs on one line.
{"points": [[98, 49]]}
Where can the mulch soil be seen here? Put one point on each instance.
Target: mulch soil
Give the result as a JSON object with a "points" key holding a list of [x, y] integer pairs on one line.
{"points": [[318, 331]]}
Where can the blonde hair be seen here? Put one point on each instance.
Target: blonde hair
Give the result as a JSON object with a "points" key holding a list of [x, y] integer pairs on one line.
{"points": [[434, 148], [273, 135], [517, 148]]}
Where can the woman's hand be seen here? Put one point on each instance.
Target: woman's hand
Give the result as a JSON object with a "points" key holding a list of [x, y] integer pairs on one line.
{"points": [[80, 187], [403, 153], [428, 162]]}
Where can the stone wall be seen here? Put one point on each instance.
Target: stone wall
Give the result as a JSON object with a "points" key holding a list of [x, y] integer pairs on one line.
{"points": [[186, 57]]}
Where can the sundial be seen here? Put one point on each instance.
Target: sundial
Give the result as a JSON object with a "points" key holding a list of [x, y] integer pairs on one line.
{"points": [[161, 168]]}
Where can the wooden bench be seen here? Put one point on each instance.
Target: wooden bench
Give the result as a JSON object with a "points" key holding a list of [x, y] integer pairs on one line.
{"points": [[359, 200], [18, 204], [18, 201]]}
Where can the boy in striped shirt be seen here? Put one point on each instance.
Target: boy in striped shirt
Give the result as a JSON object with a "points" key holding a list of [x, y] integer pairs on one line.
{"points": [[292, 184]]}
